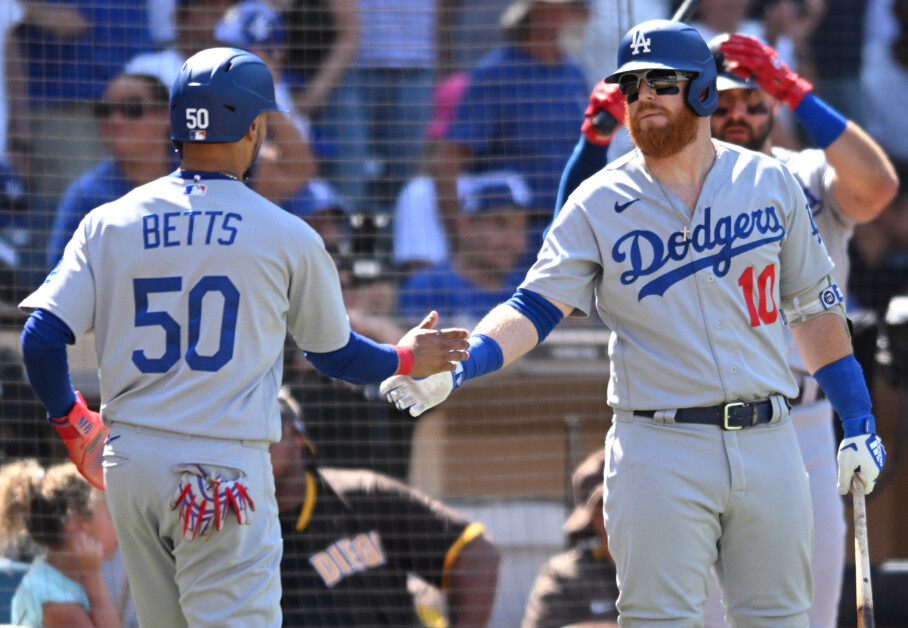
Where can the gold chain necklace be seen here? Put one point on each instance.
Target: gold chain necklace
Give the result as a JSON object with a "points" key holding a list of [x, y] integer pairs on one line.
{"points": [[685, 221], [685, 230]]}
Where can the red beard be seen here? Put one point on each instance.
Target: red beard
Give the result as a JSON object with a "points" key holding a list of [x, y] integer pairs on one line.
{"points": [[666, 140]]}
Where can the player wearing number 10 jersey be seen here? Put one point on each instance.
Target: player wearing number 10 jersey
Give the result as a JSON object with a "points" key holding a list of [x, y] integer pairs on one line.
{"points": [[191, 283]]}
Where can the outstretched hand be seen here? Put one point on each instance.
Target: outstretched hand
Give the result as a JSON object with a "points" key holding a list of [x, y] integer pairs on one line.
{"points": [[434, 350], [747, 57]]}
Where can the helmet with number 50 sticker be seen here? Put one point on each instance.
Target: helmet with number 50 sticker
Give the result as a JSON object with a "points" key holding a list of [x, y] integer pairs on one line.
{"points": [[217, 96]]}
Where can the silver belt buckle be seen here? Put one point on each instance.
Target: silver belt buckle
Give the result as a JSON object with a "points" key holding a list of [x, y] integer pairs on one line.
{"points": [[737, 404]]}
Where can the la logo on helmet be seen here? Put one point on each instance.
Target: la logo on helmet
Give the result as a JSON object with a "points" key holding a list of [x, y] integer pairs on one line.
{"points": [[640, 41]]}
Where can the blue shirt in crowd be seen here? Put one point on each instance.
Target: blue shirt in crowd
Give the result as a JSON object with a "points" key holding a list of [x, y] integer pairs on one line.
{"points": [[522, 115], [80, 68], [102, 184], [441, 288]]}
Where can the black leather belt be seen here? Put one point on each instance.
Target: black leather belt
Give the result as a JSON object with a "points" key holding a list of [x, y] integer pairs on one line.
{"points": [[729, 416]]}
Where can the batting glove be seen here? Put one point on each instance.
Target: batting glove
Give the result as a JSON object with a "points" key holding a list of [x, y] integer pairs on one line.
{"points": [[84, 434], [205, 500], [419, 395], [605, 113], [861, 453], [748, 57]]}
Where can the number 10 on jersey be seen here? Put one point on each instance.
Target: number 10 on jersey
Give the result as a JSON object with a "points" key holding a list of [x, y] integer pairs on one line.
{"points": [[761, 305]]}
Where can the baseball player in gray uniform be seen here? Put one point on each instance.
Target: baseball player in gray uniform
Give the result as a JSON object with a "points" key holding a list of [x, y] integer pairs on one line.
{"points": [[191, 283], [847, 180], [691, 250]]}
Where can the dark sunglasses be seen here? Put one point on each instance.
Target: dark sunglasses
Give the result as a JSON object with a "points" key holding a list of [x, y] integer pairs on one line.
{"points": [[132, 109], [752, 110], [665, 82]]}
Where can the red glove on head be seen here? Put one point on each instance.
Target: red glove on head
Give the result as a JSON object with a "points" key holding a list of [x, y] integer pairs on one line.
{"points": [[605, 99], [84, 434], [748, 57]]}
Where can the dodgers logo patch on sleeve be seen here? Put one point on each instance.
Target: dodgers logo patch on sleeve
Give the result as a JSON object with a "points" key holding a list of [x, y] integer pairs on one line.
{"points": [[831, 297]]}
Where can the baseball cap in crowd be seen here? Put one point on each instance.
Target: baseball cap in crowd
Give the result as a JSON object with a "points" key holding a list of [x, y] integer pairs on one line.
{"points": [[292, 415], [318, 196], [588, 492], [726, 79], [514, 15], [494, 191], [251, 24], [444, 101]]}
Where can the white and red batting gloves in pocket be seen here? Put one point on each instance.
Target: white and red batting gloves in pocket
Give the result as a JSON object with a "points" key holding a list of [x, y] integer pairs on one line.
{"points": [[84, 434], [205, 501]]}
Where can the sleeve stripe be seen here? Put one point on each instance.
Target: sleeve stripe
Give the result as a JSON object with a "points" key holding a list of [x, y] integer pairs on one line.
{"points": [[471, 532]]}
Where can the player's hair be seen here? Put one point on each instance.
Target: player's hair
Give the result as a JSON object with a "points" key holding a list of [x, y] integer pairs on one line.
{"points": [[19, 480], [38, 503]]}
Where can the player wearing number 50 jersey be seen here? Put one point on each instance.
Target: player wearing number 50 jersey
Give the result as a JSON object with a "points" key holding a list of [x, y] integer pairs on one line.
{"points": [[691, 250], [191, 283]]}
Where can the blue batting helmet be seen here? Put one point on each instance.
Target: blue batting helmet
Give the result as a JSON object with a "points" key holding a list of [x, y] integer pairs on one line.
{"points": [[218, 94], [668, 45]]}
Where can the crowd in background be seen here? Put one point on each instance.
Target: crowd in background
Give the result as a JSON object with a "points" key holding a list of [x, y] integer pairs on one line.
{"points": [[422, 139]]}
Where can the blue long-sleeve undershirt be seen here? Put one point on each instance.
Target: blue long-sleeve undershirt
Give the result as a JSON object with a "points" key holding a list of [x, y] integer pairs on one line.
{"points": [[44, 340]]}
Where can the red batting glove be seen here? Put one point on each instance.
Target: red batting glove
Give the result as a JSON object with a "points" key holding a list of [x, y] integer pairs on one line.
{"points": [[608, 100], [84, 434], [748, 57]]}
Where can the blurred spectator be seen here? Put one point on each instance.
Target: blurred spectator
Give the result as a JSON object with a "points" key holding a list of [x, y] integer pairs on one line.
{"points": [[886, 64], [13, 88], [579, 587], [160, 22], [286, 163], [836, 51], [323, 38], [354, 426], [520, 110], [69, 63], [254, 26], [475, 30], [134, 120], [393, 76], [420, 238], [70, 520], [486, 266], [879, 254], [193, 28], [356, 244], [322, 42], [19, 480], [18, 238], [384, 530]]}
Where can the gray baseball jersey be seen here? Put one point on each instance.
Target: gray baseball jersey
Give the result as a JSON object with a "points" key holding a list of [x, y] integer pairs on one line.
{"points": [[812, 170], [711, 326], [190, 287]]}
